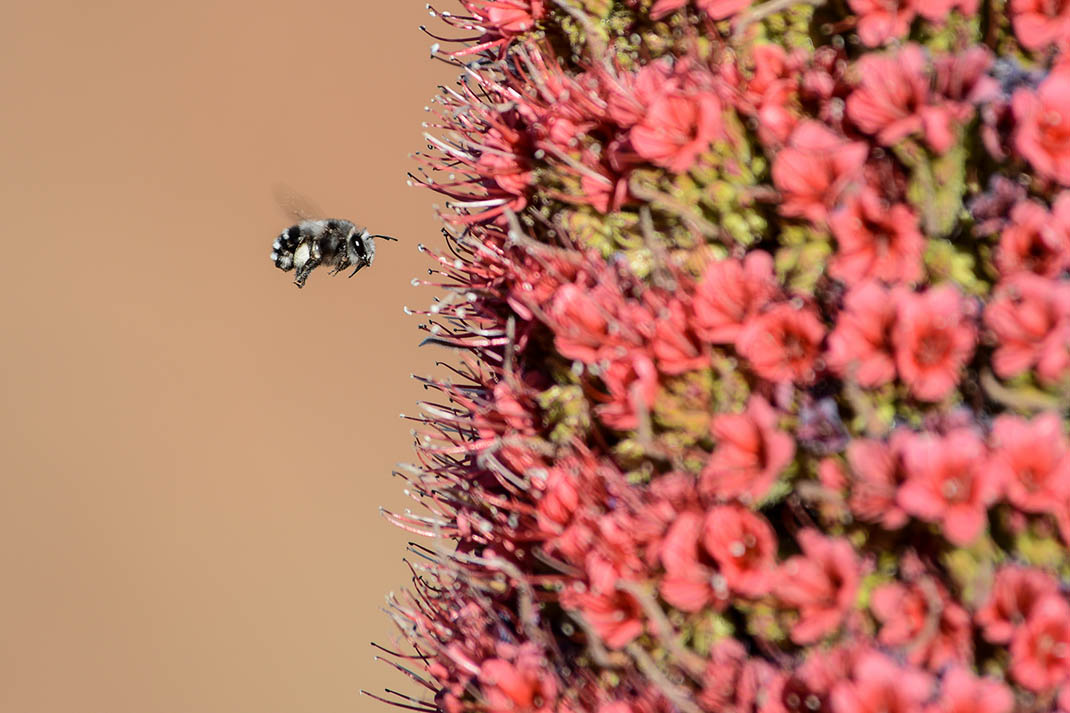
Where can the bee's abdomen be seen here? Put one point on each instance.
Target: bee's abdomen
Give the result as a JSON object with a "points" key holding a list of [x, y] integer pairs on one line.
{"points": [[282, 250]]}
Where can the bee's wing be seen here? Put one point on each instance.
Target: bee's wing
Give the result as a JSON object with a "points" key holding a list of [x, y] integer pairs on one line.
{"points": [[296, 205]]}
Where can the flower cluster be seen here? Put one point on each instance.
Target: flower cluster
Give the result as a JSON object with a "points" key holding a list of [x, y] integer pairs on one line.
{"points": [[761, 315]]}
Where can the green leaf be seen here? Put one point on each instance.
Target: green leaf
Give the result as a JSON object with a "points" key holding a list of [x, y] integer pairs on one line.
{"points": [[801, 266], [937, 185]]}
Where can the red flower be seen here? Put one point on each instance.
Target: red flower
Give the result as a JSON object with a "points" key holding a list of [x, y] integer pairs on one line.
{"points": [[772, 66], [907, 613], [509, 412], [775, 118], [633, 385], [751, 453], [731, 681], [1036, 240], [878, 685], [882, 20], [607, 191], [593, 321], [615, 616], [1043, 125], [1040, 651], [509, 17], [893, 100], [807, 688], [526, 685], [662, 8], [1032, 460], [722, 9], [585, 323], [674, 346], [689, 584], [629, 95], [723, 672], [744, 546], [963, 692], [814, 169], [616, 551], [730, 293], [877, 472], [1039, 23], [1015, 592], [716, 9], [1030, 317], [860, 347], [821, 583], [934, 338], [559, 499], [948, 482], [831, 475], [506, 163], [963, 80], [770, 91], [875, 240], [783, 343], [823, 80], [677, 128]]}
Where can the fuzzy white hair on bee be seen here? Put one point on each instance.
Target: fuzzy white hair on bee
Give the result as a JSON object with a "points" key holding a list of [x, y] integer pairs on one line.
{"points": [[333, 242]]}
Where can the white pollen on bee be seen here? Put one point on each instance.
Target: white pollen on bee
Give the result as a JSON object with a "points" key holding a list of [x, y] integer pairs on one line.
{"points": [[274, 256], [277, 244], [301, 255]]}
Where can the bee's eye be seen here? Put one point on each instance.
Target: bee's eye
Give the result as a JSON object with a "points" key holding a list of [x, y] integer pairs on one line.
{"points": [[356, 244]]}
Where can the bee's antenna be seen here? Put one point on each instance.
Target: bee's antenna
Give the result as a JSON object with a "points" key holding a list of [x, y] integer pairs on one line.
{"points": [[384, 237]]}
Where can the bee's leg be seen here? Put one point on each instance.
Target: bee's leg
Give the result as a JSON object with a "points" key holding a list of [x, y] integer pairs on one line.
{"points": [[358, 267], [340, 264], [305, 270]]}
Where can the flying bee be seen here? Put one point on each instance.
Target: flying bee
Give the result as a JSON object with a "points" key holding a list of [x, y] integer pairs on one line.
{"points": [[311, 242], [334, 242]]}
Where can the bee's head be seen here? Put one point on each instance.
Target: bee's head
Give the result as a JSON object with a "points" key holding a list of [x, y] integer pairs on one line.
{"points": [[360, 248]]}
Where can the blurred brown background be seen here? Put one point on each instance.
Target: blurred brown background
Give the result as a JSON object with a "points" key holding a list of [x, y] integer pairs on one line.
{"points": [[194, 451]]}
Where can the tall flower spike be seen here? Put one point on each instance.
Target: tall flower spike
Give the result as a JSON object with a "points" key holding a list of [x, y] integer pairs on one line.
{"points": [[755, 396]]}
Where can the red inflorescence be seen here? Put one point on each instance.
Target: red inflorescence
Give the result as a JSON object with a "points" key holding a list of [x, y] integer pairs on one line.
{"points": [[761, 316]]}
